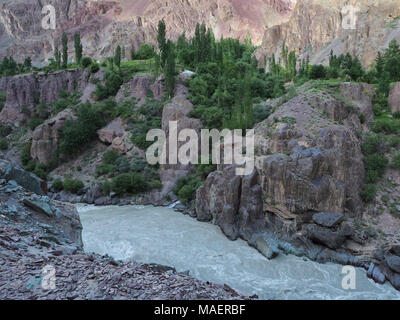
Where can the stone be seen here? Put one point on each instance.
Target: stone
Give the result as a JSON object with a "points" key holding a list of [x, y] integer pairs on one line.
{"points": [[395, 249], [393, 262], [324, 236], [39, 206], [328, 219], [265, 249], [45, 136]]}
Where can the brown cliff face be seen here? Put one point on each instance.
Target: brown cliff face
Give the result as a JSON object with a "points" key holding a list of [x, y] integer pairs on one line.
{"points": [[105, 24], [317, 27]]}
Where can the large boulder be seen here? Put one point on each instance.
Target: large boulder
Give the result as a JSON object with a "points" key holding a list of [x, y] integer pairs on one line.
{"points": [[328, 219], [232, 202], [325, 236], [394, 98], [24, 178], [303, 152], [113, 130], [45, 136]]}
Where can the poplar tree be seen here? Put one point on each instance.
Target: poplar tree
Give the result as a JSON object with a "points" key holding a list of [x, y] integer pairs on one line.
{"points": [[64, 41], [78, 48], [117, 56], [161, 39], [170, 69]]}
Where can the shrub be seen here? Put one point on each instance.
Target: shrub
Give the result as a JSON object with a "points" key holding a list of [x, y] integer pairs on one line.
{"points": [[5, 130], [362, 118], [396, 161], [317, 72], [122, 183], [144, 52], [376, 162], [368, 193], [3, 144], [104, 168], [34, 122], [73, 185], [138, 183], [58, 185], [396, 115], [387, 126], [86, 62], [372, 144], [110, 157], [94, 68], [106, 187]]}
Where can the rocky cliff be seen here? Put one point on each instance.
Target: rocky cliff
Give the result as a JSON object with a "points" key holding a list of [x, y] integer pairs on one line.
{"points": [[105, 24], [310, 27]]}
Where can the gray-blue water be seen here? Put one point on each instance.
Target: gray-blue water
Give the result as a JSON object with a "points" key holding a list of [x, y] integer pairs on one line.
{"points": [[160, 235]]}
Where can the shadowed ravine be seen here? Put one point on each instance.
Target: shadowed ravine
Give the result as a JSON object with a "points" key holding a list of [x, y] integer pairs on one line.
{"points": [[160, 235]]}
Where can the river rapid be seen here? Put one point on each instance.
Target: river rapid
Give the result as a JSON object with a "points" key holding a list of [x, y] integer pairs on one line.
{"points": [[160, 235]]}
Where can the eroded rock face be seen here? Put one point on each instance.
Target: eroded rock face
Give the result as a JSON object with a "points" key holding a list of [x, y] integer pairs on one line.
{"points": [[25, 92], [140, 87], [394, 98], [315, 28], [105, 24], [45, 137], [178, 110]]}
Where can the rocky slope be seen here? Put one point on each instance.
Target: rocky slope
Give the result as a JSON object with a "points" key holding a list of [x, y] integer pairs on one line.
{"points": [[317, 27], [310, 27], [105, 24], [36, 232]]}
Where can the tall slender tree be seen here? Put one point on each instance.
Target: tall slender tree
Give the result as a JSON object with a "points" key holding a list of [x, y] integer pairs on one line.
{"points": [[78, 48], [64, 42], [162, 44], [170, 69], [117, 56]]}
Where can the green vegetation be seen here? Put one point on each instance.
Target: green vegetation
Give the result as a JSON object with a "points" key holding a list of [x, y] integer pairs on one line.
{"points": [[78, 48], [73, 185]]}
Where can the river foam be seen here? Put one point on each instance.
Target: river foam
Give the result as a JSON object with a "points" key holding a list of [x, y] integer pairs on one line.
{"points": [[159, 235]]}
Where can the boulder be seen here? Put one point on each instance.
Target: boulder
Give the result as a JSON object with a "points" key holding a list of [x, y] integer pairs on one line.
{"points": [[393, 262], [113, 130], [27, 180], [395, 249], [328, 219], [39, 206], [265, 249], [45, 136], [394, 98], [324, 236]]}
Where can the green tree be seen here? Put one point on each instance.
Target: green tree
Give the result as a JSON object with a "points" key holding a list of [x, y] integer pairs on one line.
{"points": [[64, 41], [57, 57], [28, 63], [162, 44], [170, 69], [117, 56], [78, 48]]}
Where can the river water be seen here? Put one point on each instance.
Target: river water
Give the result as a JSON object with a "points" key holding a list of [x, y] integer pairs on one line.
{"points": [[159, 235]]}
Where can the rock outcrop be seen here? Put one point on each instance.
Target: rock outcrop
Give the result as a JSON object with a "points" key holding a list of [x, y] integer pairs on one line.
{"points": [[25, 92], [394, 98], [45, 137]]}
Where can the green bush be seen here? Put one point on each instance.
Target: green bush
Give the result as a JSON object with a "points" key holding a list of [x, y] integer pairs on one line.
{"points": [[73, 185], [58, 185], [144, 52], [396, 161], [94, 68], [386, 126], [104, 168], [317, 72], [371, 144], [86, 62], [186, 188], [5, 130], [396, 115], [106, 187], [3, 144], [368, 193], [376, 162], [122, 183], [34, 122], [110, 157]]}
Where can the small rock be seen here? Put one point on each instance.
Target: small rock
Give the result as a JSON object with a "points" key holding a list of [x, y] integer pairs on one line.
{"points": [[266, 250]]}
